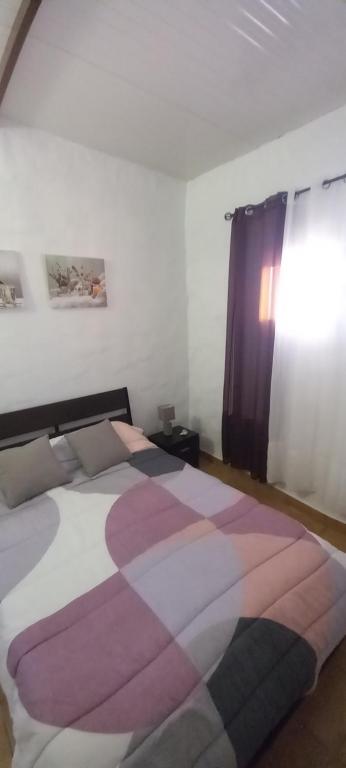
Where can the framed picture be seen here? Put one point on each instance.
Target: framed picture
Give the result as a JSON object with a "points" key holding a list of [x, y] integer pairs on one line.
{"points": [[11, 292], [76, 282]]}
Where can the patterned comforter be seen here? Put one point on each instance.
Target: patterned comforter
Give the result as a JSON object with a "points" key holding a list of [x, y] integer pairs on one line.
{"points": [[156, 618]]}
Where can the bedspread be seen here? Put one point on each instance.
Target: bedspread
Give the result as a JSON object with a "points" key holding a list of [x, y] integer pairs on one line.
{"points": [[154, 617]]}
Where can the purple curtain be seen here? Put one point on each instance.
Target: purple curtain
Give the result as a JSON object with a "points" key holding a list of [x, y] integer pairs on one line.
{"points": [[256, 246]]}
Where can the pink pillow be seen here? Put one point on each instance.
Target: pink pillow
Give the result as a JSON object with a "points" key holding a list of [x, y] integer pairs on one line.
{"points": [[133, 437]]}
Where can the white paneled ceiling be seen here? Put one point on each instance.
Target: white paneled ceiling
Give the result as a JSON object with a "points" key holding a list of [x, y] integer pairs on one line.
{"points": [[8, 13], [179, 85]]}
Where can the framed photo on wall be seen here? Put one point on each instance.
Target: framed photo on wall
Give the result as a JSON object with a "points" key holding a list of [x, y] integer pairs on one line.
{"points": [[11, 291], [76, 282]]}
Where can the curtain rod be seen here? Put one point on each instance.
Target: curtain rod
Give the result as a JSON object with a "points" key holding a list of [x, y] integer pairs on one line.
{"points": [[325, 184]]}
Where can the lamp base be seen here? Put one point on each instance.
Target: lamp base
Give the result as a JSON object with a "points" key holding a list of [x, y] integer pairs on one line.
{"points": [[167, 428]]}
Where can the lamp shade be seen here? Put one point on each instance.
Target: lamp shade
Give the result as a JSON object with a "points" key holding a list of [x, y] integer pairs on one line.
{"points": [[166, 412]]}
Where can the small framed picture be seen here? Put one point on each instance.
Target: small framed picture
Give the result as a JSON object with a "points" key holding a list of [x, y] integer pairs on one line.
{"points": [[76, 282], [11, 291]]}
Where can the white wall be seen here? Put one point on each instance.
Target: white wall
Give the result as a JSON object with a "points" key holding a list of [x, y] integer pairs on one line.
{"points": [[60, 198], [300, 157]]}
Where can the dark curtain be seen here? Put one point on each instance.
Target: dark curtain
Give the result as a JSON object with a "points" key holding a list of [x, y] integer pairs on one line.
{"points": [[256, 246]]}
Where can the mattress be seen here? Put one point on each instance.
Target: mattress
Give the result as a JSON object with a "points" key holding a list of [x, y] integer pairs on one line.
{"points": [[155, 617]]}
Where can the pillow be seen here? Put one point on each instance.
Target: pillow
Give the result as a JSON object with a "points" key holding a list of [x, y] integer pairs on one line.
{"points": [[133, 437], [30, 470], [98, 447], [64, 453], [126, 432]]}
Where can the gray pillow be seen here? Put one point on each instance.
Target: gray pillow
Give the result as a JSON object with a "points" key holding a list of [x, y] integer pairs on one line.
{"points": [[27, 471], [98, 447]]}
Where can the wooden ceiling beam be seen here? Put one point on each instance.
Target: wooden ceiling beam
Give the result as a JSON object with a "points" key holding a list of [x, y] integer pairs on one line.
{"points": [[22, 23]]}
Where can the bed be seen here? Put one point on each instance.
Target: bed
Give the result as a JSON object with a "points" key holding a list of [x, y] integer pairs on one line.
{"points": [[152, 616]]}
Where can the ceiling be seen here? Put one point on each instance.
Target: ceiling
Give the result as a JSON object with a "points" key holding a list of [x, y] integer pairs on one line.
{"points": [[8, 12], [178, 85]]}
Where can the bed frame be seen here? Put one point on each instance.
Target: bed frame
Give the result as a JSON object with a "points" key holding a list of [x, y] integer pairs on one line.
{"points": [[55, 419]]}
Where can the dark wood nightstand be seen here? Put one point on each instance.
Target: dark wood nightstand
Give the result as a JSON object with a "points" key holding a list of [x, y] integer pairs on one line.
{"points": [[186, 447]]}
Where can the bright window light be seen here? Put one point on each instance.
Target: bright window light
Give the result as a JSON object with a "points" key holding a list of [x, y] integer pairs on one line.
{"points": [[311, 289]]}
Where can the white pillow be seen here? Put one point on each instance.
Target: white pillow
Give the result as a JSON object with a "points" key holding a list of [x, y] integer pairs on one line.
{"points": [[64, 453]]}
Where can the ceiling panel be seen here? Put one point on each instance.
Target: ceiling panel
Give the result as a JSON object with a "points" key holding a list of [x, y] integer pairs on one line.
{"points": [[179, 86], [8, 13]]}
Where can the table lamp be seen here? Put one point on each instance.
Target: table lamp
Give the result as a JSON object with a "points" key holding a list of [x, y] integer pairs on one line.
{"points": [[166, 414]]}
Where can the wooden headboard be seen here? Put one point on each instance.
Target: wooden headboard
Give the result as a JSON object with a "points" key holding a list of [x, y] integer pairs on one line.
{"points": [[54, 419]]}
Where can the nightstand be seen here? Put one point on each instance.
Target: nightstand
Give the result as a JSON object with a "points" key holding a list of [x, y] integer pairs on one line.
{"points": [[186, 447]]}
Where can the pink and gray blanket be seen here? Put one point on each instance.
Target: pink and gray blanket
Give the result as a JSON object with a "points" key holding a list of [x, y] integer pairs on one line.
{"points": [[156, 618]]}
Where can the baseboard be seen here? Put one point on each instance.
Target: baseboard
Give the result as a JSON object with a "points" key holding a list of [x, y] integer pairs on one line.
{"points": [[212, 459]]}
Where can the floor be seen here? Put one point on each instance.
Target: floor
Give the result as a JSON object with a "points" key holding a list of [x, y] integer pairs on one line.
{"points": [[5, 750], [314, 736]]}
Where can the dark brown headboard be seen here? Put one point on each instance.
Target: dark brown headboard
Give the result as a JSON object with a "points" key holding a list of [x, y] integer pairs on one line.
{"points": [[56, 419]]}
